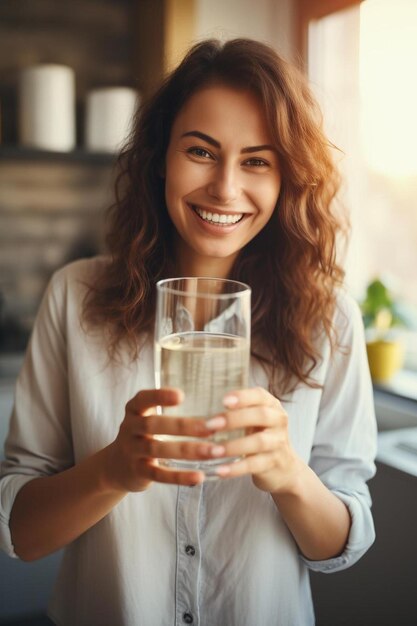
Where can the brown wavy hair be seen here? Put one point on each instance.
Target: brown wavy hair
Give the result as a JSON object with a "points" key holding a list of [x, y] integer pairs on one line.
{"points": [[290, 265]]}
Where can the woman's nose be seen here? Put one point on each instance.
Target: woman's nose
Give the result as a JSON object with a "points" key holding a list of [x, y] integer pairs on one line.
{"points": [[224, 186]]}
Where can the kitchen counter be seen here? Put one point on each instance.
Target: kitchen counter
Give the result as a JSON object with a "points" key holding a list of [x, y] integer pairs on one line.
{"points": [[398, 449], [403, 384], [396, 402]]}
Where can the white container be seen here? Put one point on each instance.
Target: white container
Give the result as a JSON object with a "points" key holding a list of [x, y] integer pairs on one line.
{"points": [[109, 116], [47, 107]]}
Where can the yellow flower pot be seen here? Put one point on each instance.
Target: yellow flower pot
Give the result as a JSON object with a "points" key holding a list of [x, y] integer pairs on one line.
{"points": [[385, 359]]}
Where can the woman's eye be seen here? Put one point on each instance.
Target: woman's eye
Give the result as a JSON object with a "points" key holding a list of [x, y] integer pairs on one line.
{"points": [[256, 163], [199, 152]]}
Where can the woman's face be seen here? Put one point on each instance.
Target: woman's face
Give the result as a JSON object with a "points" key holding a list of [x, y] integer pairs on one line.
{"points": [[222, 177]]}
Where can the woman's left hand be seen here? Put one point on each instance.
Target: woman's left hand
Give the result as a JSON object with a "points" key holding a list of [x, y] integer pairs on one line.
{"points": [[266, 449]]}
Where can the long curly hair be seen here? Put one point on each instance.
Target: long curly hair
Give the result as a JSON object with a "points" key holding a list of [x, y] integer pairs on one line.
{"points": [[290, 265]]}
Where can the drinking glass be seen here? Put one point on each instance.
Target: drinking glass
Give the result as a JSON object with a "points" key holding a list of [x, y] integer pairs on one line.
{"points": [[202, 346]]}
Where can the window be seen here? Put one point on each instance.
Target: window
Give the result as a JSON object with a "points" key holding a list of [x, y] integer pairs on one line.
{"points": [[361, 60]]}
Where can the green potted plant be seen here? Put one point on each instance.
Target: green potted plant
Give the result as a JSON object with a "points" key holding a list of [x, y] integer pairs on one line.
{"points": [[381, 315]]}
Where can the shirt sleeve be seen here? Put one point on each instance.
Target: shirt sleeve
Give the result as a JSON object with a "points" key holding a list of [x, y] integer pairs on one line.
{"points": [[39, 440], [345, 440]]}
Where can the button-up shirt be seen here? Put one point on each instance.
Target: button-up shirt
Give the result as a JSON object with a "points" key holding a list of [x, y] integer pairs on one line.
{"points": [[217, 554]]}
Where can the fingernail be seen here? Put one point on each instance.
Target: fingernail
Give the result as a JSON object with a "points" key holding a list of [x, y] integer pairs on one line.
{"points": [[230, 400], [216, 422], [223, 470], [217, 451]]}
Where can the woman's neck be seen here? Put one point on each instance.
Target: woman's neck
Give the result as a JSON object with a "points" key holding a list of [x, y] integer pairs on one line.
{"points": [[209, 267]]}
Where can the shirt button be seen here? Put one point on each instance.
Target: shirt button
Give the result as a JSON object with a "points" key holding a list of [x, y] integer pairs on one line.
{"points": [[187, 618], [190, 550]]}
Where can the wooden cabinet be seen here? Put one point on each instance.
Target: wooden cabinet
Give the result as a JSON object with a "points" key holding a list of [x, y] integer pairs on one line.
{"points": [[52, 205]]}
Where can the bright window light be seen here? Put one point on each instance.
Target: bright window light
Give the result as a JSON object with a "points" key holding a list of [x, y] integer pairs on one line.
{"points": [[388, 80]]}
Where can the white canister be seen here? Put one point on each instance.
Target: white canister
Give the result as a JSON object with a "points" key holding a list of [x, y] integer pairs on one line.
{"points": [[109, 116], [47, 107]]}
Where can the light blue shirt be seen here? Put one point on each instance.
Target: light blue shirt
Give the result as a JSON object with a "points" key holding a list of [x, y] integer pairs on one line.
{"points": [[218, 554]]}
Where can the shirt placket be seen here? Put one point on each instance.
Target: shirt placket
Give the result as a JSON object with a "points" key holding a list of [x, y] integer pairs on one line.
{"points": [[188, 556]]}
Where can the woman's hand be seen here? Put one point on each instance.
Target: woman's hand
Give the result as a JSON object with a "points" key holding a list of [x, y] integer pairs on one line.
{"points": [[318, 520], [132, 459], [267, 451]]}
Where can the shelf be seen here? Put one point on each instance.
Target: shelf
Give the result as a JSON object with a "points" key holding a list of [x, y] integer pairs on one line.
{"points": [[19, 153]]}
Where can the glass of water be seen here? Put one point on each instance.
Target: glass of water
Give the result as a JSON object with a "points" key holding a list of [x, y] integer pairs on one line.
{"points": [[202, 346]]}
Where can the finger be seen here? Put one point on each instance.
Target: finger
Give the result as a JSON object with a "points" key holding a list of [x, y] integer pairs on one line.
{"points": [[191, 450], [256, 464], [260, 416], [177, 426], [188, 478], [150, 398], [249, 397], [267, 440]]}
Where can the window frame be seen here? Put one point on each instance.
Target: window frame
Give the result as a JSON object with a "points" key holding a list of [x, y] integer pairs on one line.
{"points": [[309, 10]]}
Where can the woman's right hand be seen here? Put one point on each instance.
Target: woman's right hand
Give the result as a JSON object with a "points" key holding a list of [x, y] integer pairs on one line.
{"points": [[132, 459]]}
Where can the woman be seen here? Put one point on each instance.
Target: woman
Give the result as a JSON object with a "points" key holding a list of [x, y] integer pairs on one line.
{"points": [[229, 175]]}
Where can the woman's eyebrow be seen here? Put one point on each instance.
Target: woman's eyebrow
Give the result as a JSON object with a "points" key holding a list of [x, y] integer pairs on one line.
{"points": [[217, 144], [204, 137], [259, 148]]}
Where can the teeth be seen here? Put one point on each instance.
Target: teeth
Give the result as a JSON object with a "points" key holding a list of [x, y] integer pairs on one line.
{"points": [[216, 218]]}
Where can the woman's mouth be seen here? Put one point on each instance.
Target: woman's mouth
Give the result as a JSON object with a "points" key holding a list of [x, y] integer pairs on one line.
{"points": [[217, 219]]}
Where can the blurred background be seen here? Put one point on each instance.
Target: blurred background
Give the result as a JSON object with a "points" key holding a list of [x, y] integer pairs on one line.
{"points": [[71, 76]]}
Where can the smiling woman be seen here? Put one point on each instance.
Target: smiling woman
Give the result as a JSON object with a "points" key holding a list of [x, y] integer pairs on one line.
{"points": [[222, 180], [256, 145], [227, 174]]}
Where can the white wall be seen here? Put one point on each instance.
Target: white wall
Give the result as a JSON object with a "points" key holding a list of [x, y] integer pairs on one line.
{"points": [[270, 21]]}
